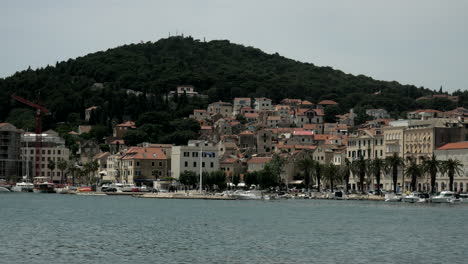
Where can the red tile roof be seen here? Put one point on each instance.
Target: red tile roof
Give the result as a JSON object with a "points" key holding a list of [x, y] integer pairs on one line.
{"points": [[251, 115], [144, 153], [327, 102], [259, 160], [303, 133], [246, 132], [456, 145], [127, 124]]}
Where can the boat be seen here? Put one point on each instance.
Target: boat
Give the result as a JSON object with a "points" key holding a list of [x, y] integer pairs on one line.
{"points": [[444, 197], [392, 197], [23, 187], [415, 197], [4, 189], [464, 198], [247, 195], [44, 187], [66, 190], [339, 195]]}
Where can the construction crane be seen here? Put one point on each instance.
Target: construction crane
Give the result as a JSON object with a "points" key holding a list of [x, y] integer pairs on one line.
{"points": [[40, 111]]}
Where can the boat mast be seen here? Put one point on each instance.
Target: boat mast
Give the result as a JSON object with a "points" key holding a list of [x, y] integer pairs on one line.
{"points": [[201, 172]]}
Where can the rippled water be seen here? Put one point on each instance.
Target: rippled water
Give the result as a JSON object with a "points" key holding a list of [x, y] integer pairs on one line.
{"points": [[51, 228]]}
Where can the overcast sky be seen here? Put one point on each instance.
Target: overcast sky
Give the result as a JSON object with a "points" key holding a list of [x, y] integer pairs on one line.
{"points": [[420, 42]]}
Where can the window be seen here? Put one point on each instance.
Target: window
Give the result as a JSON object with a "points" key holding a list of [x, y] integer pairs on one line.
{"points": [[186, 164], [194, 164], [203, 164], [58, 152], [160, 164], [186, 154], [194, 154], [211, 164], [48, 152], [152, 164], [137, 163]]}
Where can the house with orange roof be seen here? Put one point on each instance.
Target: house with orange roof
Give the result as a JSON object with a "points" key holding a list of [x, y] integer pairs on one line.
{"points": [[262, 104], [257, 163], [121, 129], [232, 166], [240, 102], [247, 139], [324, 103], [304, 116], [143, 165], [252, 117], [222, 108], [457, 151]]}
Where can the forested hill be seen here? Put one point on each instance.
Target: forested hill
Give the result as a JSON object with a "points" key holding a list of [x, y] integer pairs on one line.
{"points": [[219, 69]]}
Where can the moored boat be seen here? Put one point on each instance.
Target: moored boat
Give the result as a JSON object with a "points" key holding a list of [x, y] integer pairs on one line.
{"points": [[392, 197], [23, 187], [415, 197], [44, 187], [444, 197], [247, 195], [4, 189], [66, 190]]}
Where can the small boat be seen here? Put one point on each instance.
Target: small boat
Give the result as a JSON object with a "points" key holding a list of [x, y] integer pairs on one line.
{"points": [[44, 187], [66, 190], [464, 198], [247, 195], [392, 197], [444, 197], [415, 197], [4, 189], [23, 187]]}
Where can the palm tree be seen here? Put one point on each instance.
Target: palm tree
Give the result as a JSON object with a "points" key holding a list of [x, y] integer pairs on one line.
{"points": [[306, 164], [452, 167], [346, 173], [413, 171], [62, 165], [394, 162], [332, 175], [432, 166], [51, 167], [91, 168], [318, 170], [377, 167], [359, 167]]}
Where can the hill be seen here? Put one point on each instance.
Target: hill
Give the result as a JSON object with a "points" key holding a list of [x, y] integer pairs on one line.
{"points": [[219, 69]]}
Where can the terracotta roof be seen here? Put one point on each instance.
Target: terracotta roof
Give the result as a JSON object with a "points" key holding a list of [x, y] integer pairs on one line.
{"points": [[281, 107], [456, 145], [229, 160], [274, 118], [206, 127], [101, 155], [91, 108], [144, 153], [259, 160], [251, 115], [319, 112], [246, 132], [303, 133], [426, 111], [235, 123], [199, 110], [310, 126], [127, 124], [291, 101], [321, 137], [305, 147], [120, 141], [305, 102], [327, 102], [242, 98]]}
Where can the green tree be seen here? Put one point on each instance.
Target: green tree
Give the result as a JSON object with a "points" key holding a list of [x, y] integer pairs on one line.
{"points": [[378, 167], [452, 167], [134, 137], [394, 163], [431, 166], [332, 175], [90, 169], [276, 165], [359, 168], [51, 167], [346, 172], [188, 178], [413, 171], [331, 111], [306, 165], [318, 174], [62, 165]]}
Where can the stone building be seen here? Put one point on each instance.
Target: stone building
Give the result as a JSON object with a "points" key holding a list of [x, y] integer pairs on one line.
{"points": [[143, 165], [10, 162], [193, 157]]}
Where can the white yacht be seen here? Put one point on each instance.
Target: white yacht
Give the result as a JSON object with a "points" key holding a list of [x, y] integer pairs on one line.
{"points": [[414, 197], [66, 190], [444, 197], [23, 187], [464, 197], [392, 197], [247, 195]]}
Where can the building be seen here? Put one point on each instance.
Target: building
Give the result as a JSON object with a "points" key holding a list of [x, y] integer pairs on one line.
{"points": [[424, 114], [222, 108], [377, 113], [53, 150], [368, 143], [308, 116], [10, 160], [121, 129], [262, 104], [196, 156], [240, 102], [257, 163], [143, 165], [188, 90], [457, 151], [88, 112]]}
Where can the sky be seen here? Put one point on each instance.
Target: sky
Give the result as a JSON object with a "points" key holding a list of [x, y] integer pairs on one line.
{"points": [[419, 42]]}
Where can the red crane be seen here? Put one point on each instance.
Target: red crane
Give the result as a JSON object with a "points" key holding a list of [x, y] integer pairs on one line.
{"points": [[40, 111]]}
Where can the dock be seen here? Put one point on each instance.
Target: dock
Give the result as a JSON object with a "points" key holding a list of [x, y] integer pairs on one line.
{"points": [[184, 196]]}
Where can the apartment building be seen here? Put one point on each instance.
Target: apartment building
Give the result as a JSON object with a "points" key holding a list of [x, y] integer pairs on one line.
{"points": [[197, 155]]}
